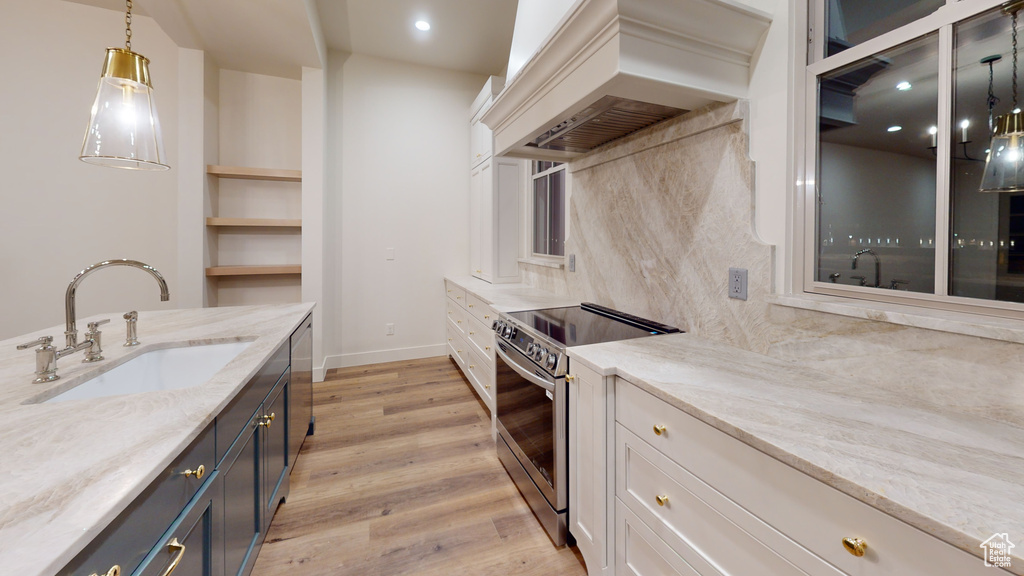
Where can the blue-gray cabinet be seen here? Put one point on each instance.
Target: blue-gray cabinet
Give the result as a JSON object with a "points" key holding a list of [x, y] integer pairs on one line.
{"points": [[213, 524]]}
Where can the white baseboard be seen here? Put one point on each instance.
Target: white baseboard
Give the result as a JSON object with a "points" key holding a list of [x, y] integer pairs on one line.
{"points": [[380, 356]]}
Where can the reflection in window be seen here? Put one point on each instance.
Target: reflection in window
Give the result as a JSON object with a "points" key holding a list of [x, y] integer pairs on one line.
{"points": [[876, 171], [987, 242], [851, 22], [549, 208]]}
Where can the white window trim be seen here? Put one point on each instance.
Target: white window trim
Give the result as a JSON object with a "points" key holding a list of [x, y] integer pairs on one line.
{"points": [[528, 256], [986, 318]]}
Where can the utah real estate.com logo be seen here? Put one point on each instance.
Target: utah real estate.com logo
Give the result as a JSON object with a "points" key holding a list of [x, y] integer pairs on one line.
{"points": [[997, 550]]}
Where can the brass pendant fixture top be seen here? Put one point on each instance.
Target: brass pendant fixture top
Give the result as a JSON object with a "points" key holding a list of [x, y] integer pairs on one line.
{"points": [[124, 128], [1004, 165]]}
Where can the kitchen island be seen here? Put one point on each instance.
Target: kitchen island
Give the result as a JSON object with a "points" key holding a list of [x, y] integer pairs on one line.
{"points": [[72, 467]]}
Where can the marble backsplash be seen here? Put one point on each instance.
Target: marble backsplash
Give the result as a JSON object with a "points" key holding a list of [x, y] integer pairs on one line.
{"points": [[658, 218]]}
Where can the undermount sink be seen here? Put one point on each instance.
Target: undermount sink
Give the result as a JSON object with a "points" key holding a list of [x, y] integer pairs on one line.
{"points": [[166, 369]]}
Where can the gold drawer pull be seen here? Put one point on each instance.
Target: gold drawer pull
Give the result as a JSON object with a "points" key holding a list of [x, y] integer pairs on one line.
{"points": [[115, 570], [449, 339], [661, 499], [659, 429], [470, 305], [487, 386], [268, 420], [855, 546], [487, 315], [471, 332], [471, 366], [487, 347], [172, 547], [569, 377], [198, 472], [449, 289]]}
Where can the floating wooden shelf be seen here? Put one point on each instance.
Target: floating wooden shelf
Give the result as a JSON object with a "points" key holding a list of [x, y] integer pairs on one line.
{"points": [[243, 173], [256, 222], [253, 270]]}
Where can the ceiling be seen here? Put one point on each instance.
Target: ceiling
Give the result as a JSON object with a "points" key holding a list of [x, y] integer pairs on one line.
{"points": [[279, 37]]}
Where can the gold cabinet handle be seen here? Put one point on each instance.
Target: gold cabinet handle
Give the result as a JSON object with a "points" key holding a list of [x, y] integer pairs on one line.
{"points": [[487, 386], [268, 420], [659, 429], [471, 366], [855, 546], [471, 332], [661, 499], [487, 347], [449, 289], [470, 305], [172, 547], [458, 321], [115, 570], [459, 351], [487, 315], [569, 377], [198, 472], [449, 339]]}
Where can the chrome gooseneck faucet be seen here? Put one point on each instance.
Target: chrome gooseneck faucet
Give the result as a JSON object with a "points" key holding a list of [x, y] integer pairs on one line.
{"points": [[878, 264], [71, 331]]}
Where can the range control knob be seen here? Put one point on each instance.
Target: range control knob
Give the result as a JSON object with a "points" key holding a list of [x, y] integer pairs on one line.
{"points": [[494, 325], [515, 332], [529, 349], [540, 354], [552, 361], [508, 331]]}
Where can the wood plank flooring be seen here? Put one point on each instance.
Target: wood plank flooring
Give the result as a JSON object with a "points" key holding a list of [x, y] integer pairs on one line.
{"points": [[401, 477]]}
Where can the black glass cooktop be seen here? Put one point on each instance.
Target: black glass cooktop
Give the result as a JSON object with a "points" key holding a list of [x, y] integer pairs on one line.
{"points": [[588, 324]]}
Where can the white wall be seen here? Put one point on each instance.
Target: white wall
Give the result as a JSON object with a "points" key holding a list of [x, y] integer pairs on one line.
{"points": [[58, 214], [400, 145], [535, 21]]}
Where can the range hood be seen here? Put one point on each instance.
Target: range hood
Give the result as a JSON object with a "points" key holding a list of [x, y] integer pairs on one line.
{"points": [[612, 67]]}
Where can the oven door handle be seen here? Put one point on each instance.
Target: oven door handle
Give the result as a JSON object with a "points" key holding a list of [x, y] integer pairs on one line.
{"points": [[532, 378]]}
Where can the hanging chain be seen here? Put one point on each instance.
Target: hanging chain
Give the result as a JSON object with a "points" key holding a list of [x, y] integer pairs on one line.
{"points": [[128, 30], [992, 100], [1013, 19]]}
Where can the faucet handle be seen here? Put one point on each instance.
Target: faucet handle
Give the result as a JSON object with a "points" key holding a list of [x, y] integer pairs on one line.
{"points": [[42, 342], [862, 279], [94, 325], [131, 322], [895, 284]]}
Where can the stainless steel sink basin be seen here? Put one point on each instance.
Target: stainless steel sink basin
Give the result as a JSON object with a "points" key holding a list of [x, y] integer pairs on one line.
{"points": [[166, 369]]}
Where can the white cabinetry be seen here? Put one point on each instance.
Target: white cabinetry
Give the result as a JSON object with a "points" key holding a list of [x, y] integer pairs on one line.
{"points": [[591, 435], [471, 340], [722, 507], [495, 184]]}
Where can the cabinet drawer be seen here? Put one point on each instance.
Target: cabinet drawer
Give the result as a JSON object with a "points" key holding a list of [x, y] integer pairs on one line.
{"points": [[700, 523], [482, 340], [481, 375], [479, 309], [233, 419], [457, 316], [455, 293], [132, 534], [457, 347], [815, 515], [642, 553]]}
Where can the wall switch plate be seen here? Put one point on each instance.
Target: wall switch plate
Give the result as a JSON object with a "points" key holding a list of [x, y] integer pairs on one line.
{"points": [[572, 262], [738, 283], [389, 329]]}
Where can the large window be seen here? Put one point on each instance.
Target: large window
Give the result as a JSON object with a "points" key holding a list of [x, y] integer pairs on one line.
{"points": [[899, 128], [548, 208]]}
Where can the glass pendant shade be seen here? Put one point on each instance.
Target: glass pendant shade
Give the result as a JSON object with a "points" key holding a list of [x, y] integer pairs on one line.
{"points": [[1004, 166], [124, 129]]}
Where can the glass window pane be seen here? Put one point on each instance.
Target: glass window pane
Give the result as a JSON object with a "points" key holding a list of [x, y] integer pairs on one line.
{"points": [[540, 216], [876, 170], [557, 242], [987, 242], [851, 22]]}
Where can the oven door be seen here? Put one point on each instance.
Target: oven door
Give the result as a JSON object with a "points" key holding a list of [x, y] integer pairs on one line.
{"points": [[532, 411]]}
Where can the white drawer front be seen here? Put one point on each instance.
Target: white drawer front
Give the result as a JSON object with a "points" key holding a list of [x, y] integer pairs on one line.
{"points": [[482, 339], [456, 293], [642, 553], [479, 309], [702, 524], [815, 515], [457, 346], [481, 375], [457, 316]]}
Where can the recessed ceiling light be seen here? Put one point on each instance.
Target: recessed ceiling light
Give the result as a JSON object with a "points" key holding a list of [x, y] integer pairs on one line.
{"points": [[903, 86], [422, 25], [895, 128]]}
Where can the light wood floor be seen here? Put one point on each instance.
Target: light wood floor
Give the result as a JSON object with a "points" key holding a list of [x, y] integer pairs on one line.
{"points": [[402, 478]]}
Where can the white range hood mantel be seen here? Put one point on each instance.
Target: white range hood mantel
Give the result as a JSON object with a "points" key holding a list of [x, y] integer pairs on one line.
{"points": [[679, 53]]}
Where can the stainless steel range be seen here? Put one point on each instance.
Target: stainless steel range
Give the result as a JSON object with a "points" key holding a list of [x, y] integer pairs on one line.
{"points": [[532, 397]]}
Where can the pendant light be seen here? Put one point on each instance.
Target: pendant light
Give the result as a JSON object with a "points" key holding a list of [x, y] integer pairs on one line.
{"points": [[124, 130], [1004, 166]]}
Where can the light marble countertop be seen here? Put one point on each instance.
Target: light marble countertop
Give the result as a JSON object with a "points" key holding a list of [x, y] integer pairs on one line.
{"points": [[952, 474], [70, 468], [512, 297]]}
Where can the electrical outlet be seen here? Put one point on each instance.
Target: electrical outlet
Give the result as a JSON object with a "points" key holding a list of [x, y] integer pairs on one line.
{"points": [[389, 329], [572, 262], [738, 283]]}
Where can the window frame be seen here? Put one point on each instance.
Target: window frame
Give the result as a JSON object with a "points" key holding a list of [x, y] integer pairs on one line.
{"points": [[528, 225], [810, 63]]}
